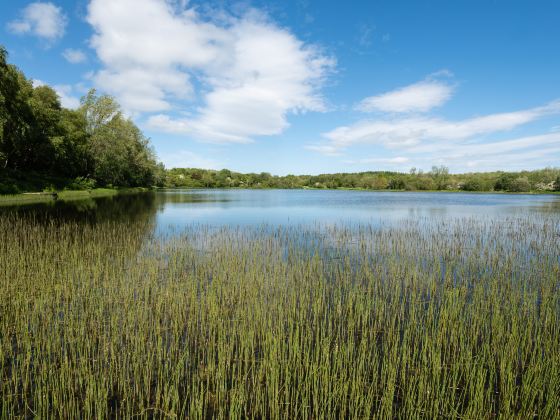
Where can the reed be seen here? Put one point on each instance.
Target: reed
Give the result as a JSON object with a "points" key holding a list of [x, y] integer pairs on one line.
{"points": [[455, 319]]}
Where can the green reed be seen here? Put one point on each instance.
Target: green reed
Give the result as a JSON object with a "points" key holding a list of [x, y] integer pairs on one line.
{"points": [[457, 318]]}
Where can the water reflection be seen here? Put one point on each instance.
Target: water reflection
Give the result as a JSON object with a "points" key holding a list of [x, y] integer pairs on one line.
{"points": [[174, 209], [122, 208], [295, 207]]}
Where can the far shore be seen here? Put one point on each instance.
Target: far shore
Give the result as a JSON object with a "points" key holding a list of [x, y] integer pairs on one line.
{"points": [[74, 195]]}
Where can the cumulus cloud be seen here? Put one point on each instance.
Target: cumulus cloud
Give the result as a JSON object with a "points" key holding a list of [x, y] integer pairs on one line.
{"points": [[188, 159], [407, 130], [44, 20], [66, 94], [398, 160], [223, 80], [74, 56], [325, 149], [418, 97], [411, 131], [517, 153]]}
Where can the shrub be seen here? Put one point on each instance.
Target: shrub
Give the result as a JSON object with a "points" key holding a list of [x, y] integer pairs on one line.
{"points": [[8, 188], [81, 183], [520, 184], [472, 185]]}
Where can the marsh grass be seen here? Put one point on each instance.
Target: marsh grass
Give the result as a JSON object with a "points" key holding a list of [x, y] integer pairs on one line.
{"points": [[455, 319]]}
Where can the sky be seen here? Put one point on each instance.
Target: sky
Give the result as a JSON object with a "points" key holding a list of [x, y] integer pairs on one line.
{"points": [[309, 86]]}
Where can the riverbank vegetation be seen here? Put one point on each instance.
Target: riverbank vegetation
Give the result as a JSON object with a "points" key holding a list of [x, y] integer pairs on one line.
{"points": [[439, 178], [449, 319], [46, 146], [65, 195]]}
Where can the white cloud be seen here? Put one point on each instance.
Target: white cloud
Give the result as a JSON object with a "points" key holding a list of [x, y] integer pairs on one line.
{"points": [[522, 153], [188, 159], [74, 56], [412, 131], [229, 80], [325, 149], [425, 139], [398, 160], [418, 97], [65, 94], [44, 20], [365, 37], [464, 150]]}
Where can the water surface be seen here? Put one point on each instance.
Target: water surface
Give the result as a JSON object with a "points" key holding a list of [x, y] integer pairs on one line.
{"points": [[171, 211]]}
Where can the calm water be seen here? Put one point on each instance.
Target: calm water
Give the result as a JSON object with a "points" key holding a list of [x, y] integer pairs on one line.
{"points": [[280, 207], [173, 209]]}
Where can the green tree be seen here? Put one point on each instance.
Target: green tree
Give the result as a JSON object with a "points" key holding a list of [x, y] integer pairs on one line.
{"points": [[440, 175], [16, 118], [121, 154], [520, 184]]}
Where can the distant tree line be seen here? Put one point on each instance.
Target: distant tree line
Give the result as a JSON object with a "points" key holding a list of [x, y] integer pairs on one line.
{"points": [[42, 142], [438, 178]]}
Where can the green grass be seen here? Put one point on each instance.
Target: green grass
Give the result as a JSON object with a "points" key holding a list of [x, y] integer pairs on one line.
{"points": [[450, 319], [49, 197]]}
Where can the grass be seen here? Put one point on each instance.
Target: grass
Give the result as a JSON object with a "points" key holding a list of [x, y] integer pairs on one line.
{"points": [[50, 197], [449, 319]]}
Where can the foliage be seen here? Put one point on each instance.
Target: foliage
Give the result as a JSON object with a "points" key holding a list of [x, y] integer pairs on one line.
{"points": [[95, 141], [437, 179], [82, 183]]}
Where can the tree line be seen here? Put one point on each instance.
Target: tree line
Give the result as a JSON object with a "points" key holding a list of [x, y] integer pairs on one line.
{"points": [[44, 144], [439, 178]]}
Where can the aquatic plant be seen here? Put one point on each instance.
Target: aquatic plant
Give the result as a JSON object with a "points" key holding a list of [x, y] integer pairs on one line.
{"points": [[456, 318]]}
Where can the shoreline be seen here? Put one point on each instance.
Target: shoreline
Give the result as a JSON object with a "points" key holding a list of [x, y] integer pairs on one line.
{"points": [[366, 190], [43, 197]]}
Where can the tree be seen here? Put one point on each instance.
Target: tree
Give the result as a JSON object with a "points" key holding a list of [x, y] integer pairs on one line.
{"points": [[121, 154], [46, 133], [16, 118], [520, 184], [440, 175]]}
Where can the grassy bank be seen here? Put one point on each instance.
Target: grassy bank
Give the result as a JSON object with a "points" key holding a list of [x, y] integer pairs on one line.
{"points": [[47, 197], [454, 319]]}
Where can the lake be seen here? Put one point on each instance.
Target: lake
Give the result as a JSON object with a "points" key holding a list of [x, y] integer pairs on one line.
{"points": [[282, 304], [172, 210]]}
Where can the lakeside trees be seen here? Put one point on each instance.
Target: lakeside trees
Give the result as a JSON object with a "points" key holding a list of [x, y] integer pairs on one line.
{"points": [[438, 178], [42, 142]]}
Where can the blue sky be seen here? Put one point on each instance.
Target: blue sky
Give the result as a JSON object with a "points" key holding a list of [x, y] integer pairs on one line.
{"points": [[310, 86]]}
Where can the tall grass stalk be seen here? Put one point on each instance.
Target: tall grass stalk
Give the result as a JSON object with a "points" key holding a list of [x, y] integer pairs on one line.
{"points": [[455, 319]]}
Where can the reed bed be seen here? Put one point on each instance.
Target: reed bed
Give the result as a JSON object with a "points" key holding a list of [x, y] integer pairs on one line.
{"points": [[448, 319]]}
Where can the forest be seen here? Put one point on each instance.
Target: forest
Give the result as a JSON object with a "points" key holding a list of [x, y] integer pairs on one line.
{"points": [[46, 146], [439, 178]]}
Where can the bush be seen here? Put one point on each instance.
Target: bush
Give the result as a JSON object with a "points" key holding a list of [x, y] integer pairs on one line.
{"points": [[520, 184], [472, 185], [81, 183], [504, 182], [8, 188], [396, 184]]}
